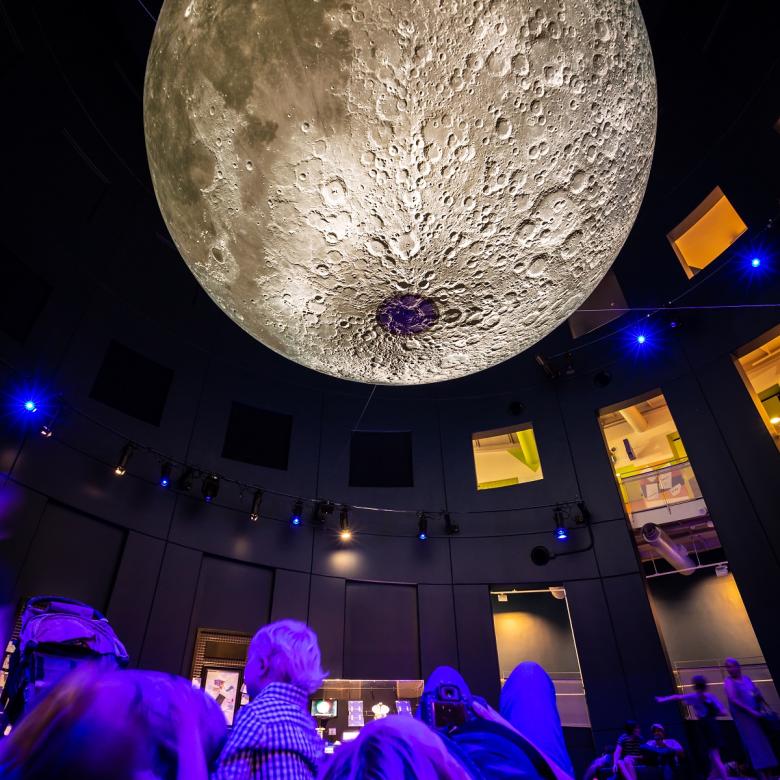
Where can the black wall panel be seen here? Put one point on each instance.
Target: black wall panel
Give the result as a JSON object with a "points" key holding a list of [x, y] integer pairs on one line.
{"points": [[381, 635], [71, 555], [477, 640], [170, 617], [291, 596], [438, 640], [326, 618], [232, 596], [134, 588]]}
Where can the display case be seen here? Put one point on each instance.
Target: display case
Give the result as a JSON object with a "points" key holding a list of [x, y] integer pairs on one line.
{"points": [[343, 707]]}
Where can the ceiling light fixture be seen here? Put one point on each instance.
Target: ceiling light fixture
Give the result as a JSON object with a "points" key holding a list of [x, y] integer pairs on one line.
{"points": [[124, 456], [165, 474], [345, 534], [209, 487], [422, 526], [257, 500], [297, 514]]}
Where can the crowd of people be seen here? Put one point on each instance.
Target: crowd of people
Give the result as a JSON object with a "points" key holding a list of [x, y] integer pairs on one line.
{"points": [[632, 756], [98, 724]]}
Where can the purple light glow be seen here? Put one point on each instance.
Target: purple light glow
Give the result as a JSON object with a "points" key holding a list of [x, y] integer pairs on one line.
{"points": [[407, 315]]}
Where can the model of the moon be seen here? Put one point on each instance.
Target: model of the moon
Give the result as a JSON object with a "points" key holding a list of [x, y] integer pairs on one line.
{"points": [[399, 191]]}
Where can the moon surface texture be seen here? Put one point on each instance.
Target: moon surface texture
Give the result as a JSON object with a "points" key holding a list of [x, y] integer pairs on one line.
{"points": [[399, 191]]}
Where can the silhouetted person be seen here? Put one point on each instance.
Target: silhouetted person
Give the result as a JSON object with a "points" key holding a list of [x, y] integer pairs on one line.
{"points": [[747, 707], [115, 725], [708, 710], [395, 748], [274, 737], [628, 751]]}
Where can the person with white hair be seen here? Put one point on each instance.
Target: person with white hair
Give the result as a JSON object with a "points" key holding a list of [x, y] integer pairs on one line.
{"points": [[274, 737]]}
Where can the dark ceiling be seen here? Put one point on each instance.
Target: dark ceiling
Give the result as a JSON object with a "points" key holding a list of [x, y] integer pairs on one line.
{"points": [[75, 168]]}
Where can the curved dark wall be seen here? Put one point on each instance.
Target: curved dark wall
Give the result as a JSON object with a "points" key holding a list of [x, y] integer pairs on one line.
{"points": [[81, 215]]}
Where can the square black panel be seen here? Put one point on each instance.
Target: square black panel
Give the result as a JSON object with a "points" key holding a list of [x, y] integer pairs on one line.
{"points": [[132, 383], [257, 436], [381, 459], [23, 294]]}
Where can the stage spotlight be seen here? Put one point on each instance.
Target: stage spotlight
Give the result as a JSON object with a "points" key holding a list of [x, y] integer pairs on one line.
{"points": [[257, 500], [209, 487], [46, 431], [641, 338], [30, 406], [561, 532], [322, 510], [756, 262], [544, 364], [165, 474], [450, 528], [185, 480], [295, 518], [422, 526], [345, 534], [124, 456]]}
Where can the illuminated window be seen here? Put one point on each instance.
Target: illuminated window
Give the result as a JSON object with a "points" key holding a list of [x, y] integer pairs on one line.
{"points": [[708, 231], [759, 366], [695, 600], [651, 466], [507, 456]]}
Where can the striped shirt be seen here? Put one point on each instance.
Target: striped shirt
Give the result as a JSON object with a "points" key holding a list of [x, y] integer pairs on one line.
{"points": [[274, 738]]}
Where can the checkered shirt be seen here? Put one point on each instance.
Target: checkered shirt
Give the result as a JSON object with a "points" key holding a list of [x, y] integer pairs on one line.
{"points": [[274, 738]]}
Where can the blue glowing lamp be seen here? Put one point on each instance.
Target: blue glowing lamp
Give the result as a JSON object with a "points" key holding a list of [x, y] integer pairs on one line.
{"points": [[561, 534], [164, 482], [756, 262], [641, 339], [30, 406], [422, 536], [295, 519]]}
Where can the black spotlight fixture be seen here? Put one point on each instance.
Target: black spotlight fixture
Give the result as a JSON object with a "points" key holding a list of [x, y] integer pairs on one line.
{"points": [[296, 518], [544, 364], [602, 378], [450, 528], [185, 480], [541, 555], [209, 487], [422, 526], [584, 516], [322, 510], [561, 532], [345, 534], [124, 456], [165, 474], [257, 500]]}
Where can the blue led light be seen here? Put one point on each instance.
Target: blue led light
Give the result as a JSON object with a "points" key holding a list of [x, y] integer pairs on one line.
{"points": [[422, 536], [755, 262], [295, 520], [561, 534], [30, 406], [641, 338], [164, 482]]}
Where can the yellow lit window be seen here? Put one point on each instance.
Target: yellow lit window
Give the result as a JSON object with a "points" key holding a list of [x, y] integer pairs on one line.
{"points": [[708, 231], [759, 367], [507, 456]]}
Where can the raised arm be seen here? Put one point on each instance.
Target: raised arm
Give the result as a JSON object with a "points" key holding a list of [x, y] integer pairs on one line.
{"points": [[673, 697]]}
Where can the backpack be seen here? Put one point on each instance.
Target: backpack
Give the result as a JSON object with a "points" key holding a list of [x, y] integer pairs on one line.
{"points": [[57, 635]]}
